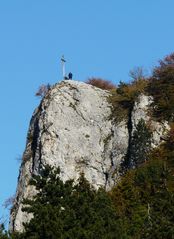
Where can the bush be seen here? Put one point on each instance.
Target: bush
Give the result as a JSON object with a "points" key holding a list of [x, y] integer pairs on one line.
{"points": [[124, 97], [100, 83], [161, 87], [43, 89]]}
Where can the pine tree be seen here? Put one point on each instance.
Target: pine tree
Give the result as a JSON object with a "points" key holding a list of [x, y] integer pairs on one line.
{"points": [[140, 144], [64, 210]]}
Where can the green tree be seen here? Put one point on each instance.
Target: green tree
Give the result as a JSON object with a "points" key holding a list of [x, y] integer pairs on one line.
{"points": [[144, 198], [64, 210], [3, 233], [140, 145]]}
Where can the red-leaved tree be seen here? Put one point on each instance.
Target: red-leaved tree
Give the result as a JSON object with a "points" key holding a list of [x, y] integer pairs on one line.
{"points": [[101, 83]]}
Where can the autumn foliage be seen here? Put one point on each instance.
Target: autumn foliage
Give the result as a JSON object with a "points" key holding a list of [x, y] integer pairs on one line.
{"points": [[43, 89], [124, 97], [161, 87], [100, 83]]}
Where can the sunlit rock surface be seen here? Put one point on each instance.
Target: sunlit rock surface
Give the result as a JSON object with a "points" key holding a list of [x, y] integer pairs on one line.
{"points": [[73, 129]]}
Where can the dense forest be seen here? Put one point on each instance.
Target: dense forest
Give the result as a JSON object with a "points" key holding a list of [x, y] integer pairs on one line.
{"points": [[141, 205]]}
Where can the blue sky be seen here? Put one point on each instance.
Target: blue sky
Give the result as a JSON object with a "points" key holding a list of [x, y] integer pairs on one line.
{"points": [[98, 38]]}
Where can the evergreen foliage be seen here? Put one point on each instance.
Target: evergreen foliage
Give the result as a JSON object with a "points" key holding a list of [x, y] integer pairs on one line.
{"points": [[64, 210], [141, 206], [144, 199], [140, 145]]}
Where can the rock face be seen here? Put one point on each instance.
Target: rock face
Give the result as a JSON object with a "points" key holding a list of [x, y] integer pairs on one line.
{"points": [[72, 128]]}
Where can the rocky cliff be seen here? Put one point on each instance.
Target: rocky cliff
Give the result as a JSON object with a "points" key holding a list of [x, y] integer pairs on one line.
{"points": [[73, 128]]}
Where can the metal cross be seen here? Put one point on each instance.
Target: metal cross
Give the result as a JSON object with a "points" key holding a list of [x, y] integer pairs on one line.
{"points": [[63, 66]]}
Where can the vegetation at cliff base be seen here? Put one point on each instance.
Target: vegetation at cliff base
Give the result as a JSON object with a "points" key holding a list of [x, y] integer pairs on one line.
{"points": [[64, 210], [141, 206], [144, 198]]}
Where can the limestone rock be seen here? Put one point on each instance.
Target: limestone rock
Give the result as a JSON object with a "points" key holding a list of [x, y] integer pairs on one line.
{"points": [[142, 110], [72, 129]]}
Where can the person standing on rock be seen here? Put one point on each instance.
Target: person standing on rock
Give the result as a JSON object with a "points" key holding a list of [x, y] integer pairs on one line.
{"points": [[70, 76]]}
